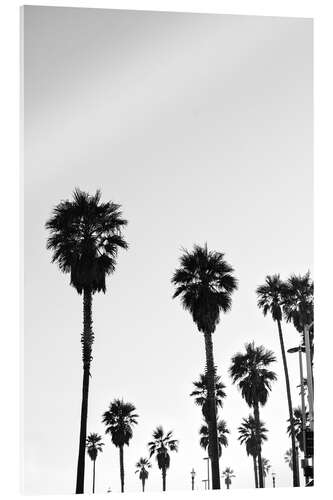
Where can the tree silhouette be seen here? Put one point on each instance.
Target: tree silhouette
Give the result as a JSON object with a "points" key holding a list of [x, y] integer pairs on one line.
{"points": [[200, 393], [222, 431], [94, 446], [271, 297], [250, 371], [142, 467], [205, 283], [85, 235], [228, 473], [119, 420], [160, 446], [247, 436]]}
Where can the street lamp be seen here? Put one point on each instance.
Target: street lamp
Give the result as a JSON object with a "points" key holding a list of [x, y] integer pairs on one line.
{"points": [[273, 477], [205, 483], [192, 477], [208, 485]]}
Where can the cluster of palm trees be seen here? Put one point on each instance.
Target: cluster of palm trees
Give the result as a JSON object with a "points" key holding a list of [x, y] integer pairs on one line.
{"points": [[85, 236]]}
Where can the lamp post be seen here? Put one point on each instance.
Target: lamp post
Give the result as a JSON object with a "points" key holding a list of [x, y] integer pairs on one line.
{"points": [[192, 477], [208, 484], [273, 477], [205, 483], [309, 376]]}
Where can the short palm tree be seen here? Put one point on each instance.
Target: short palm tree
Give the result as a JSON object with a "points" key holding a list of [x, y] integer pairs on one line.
{"points": [[222, 431], [228, 473], [160, 446], [94, 446], [271, 298], [266, 467], [200, 393], [247, 436], [119, 420], [288, 458], [142, 467], [250, 371], [205, 283], [85, 236]]}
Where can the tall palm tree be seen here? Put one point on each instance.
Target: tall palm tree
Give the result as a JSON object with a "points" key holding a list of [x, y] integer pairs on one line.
{"points": [[205, 283], [142, 467], [250, 371], [228, 473], [298, 425], [266, 467], [271, 297], [200, 393], [160, 446], [119, 420], [247, 436], [222, 431], [94, 445], [85, 235]]}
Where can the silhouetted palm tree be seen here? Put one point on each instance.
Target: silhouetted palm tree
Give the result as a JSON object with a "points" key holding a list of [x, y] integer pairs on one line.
{"points": [[298, 425], [85, 236], [160, 446], [142, 467], [94, 445], [271, 297], [288, 458], [119, 421], [250, 371], [201, 393], [222, 431], [205, 283], [228, 473], [266, 467], [247, 436]]}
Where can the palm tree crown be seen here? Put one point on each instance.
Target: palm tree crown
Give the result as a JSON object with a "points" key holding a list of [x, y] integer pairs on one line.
{"points": [[85, 235], [94, 445], [119, 421], [266, 466], [222, 431], [205, 283], [160, 445], [298, 303], [201, 392], [141, 467], [247, 434], [251, 373], [271, 296]]}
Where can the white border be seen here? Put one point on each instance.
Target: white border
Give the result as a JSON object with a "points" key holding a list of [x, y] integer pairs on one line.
{"points": [[321, 11]]}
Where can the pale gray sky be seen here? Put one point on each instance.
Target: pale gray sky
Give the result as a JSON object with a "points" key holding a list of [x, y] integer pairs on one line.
{"points": [[200, 126]]}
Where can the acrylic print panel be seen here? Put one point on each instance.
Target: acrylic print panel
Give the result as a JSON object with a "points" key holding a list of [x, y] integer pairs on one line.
{"points": [[197, 129]]}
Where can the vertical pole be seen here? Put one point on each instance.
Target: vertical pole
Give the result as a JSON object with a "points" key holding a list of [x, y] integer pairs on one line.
{"points": [[303, 410], [208, 480], [309, 374]]}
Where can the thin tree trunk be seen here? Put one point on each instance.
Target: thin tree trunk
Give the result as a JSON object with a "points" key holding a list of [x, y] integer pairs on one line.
{"points": [[143, 484], [290, 408], [255, 470], [87, 339], [212, 424], [94, 476], [122, 474], [164, 478], [257, 421]]}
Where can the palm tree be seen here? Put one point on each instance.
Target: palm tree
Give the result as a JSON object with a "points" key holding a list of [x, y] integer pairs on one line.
{"points": [[222, 431], [201, 392], [228, 473], [266, 466], [271, 297], [142, 467], [250, 371], [85, 236], [298, 425], [160, 446], [247, 435], [94, 445], [288, 458], [119, 420], [205, 283]]}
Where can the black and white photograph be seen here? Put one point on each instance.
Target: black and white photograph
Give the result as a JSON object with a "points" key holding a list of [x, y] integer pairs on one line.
{"points": [[168, 331]]}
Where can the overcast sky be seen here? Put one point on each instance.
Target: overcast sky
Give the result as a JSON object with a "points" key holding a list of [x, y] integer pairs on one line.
{"points": [[200, 126]]}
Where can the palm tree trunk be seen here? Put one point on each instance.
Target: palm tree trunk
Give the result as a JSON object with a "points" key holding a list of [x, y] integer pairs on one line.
{"points": [[290, 408], [257, 421], [164, 478], [94, 476], [87, 338], [212, 424], [255, 470], [143, 484], [122, 474]]}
